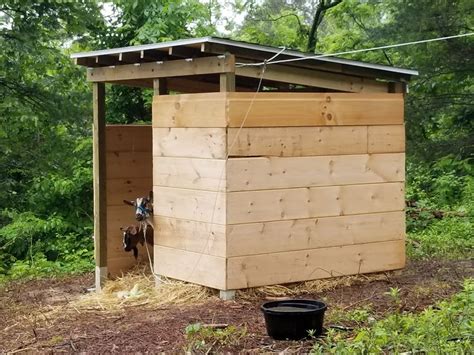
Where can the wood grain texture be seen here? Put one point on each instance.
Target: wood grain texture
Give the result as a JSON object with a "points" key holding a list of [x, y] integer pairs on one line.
{"points": [[198, 237], [173, 68], [100, 163], [388, 139], [128, 175], [284, 204], [297, 141], [293, 266], [195, 205], [128, 189], [314, 109], [190, 173], [190, 110], [313, 233], [314, 78], [206, 270], [129, 138], [123, 165], [260, 173], [190, 142]]}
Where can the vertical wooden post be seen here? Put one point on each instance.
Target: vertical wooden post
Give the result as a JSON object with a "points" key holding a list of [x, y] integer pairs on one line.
{"points": [[160, 86], [227, 82], [100, 200]]}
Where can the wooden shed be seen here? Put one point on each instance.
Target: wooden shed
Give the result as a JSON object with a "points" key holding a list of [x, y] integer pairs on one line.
{"points": [[299, 181]]}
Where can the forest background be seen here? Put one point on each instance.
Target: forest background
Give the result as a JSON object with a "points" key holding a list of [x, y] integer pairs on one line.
{"points": [[46, 116]]}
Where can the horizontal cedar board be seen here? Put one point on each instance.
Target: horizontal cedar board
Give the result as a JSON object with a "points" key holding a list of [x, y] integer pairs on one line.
{"points": [[313, 109], [277, 109], [206, 270], [260, 173], [127, 189], [128, 165], [166, 69], [128, 138], [313, 233], [195, 205], [386, 139], [284, 204], [297, 141], [198, 237], [189, 173], [294, 266], [190, 110], [190, 142]]}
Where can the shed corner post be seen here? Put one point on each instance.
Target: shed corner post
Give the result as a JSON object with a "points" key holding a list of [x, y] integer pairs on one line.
{"points": [[227, 84], [227, 79], [99, 172]]}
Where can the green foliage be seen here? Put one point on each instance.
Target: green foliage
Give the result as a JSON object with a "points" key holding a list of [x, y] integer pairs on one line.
{"points": [[205, 338], [142, 22], [45, 188], [449, 238], [444, 329]]}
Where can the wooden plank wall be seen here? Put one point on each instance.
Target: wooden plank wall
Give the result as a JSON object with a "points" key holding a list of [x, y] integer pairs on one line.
{"points": [[129, 175], [313, 187], [189, 180]]}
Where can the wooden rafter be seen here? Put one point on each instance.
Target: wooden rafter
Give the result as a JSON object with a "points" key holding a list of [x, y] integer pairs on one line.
{"points": [[314, 78]]}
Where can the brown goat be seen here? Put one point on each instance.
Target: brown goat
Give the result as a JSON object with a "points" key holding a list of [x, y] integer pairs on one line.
{"points": [[132, 235]]}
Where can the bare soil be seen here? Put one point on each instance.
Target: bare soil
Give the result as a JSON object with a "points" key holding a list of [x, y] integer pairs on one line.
{"points": [[27, 325]]}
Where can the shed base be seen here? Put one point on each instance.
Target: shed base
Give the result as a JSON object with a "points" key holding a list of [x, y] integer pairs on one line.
{"points": [[227, 295], [100, 277]]}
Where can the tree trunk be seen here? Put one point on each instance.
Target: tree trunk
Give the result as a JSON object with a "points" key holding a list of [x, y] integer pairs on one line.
{"points": [[322, 7]]}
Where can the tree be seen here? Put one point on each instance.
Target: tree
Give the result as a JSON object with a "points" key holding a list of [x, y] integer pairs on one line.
{"points": [[321, 8]]}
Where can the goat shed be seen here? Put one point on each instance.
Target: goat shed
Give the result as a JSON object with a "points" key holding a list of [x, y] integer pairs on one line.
{"points": [[299, 181]]}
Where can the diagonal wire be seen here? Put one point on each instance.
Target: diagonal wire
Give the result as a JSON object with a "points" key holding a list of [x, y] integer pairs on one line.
{"points": [[354, 51]]}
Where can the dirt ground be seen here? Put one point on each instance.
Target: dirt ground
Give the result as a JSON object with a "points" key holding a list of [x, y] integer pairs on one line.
{"points": [[27, 323]]}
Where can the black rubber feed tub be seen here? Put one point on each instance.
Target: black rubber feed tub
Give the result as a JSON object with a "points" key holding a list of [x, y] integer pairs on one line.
{"points": [[294, 319]]}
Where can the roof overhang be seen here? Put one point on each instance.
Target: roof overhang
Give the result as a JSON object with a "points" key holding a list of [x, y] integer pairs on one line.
{"points": [[326, 68]]}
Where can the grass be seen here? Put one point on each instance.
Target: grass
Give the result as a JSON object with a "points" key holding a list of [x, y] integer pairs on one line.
{"points": [[446, 328], [204, 338], [448, 238]]}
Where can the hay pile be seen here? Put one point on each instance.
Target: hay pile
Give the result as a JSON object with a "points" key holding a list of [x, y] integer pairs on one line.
{"points": [[138, 288], [308, 287]]}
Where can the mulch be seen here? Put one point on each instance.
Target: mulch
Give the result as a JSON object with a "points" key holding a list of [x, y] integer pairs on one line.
{"points": [[26, 324]]}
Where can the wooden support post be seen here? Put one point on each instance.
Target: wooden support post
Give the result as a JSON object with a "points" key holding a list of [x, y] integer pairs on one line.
{"points": [[100, 200], [160, 86], [227, 82]]}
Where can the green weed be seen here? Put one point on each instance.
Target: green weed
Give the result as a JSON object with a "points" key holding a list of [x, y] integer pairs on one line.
{"points": [[205, 338], [447, 328]]}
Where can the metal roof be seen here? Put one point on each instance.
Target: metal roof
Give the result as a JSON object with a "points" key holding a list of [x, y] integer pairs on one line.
{"points": [[258, 52]]}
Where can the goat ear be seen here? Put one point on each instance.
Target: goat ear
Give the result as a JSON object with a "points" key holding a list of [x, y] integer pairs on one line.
{"points": [[135, 252], [122, 229], [150, 196], [127, 202]]}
